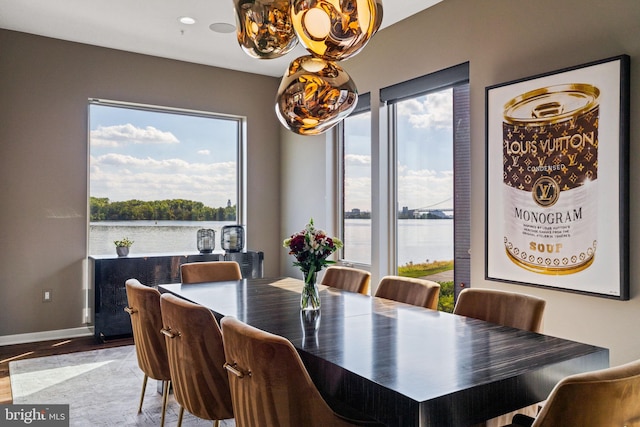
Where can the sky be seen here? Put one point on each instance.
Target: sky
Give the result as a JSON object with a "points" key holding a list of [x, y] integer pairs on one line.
{"points": [[151, 155], [424, 155]]}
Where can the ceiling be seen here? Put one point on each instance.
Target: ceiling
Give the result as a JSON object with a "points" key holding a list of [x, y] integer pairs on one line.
{"points": [[151, 27]]}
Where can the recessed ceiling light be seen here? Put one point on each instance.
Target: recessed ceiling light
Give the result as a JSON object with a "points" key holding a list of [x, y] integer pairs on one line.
{"points": [[222, 27], [187, 20]]}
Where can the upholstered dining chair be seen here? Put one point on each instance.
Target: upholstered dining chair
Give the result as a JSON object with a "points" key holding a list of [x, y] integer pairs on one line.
{"points": [[196, 359], [420, 292], [506, 309], [210, 271], [143, 306], [607, 397], [270, 385], [347, 278]]}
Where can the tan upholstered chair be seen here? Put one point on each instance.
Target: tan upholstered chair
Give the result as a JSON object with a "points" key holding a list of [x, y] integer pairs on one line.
{"points": [[210, 271], [507, 309], [143, 306], [196, 359], [347, 278], [503, 308], [607, 397], [420, 292], [270, 385]]}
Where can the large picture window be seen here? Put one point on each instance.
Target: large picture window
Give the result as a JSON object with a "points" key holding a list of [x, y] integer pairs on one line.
{"points": [[157, 175]]}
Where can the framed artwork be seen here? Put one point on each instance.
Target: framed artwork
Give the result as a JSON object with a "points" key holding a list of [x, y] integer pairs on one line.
{"points": [[557, 180]]}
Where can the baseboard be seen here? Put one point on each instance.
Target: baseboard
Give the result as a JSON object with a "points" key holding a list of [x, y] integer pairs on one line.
{"points": [[83, 331]]}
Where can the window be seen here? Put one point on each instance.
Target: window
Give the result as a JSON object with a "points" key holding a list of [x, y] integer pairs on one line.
{"points": [[424, 179], [356, 185], [429, 131], [157, 175]]}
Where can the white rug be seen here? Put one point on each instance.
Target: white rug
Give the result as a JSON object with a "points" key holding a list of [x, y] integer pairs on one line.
{"points": [[102, 388]]}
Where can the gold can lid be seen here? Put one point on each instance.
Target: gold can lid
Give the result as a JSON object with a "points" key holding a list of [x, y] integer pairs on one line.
{"points": [[550, 105]]}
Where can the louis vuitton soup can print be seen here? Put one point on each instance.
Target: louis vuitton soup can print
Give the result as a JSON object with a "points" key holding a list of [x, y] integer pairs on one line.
{"points": [[550, 158]]}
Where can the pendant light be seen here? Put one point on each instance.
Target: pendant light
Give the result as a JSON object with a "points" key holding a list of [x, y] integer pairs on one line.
{"points": [[335, 29], [264, 28], [314, 95], [315, 92]]}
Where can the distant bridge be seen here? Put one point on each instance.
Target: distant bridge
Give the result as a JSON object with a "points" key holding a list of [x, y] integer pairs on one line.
{"points": [[442, 206]]}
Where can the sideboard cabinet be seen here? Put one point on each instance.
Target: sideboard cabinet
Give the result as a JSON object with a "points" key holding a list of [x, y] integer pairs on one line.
{"points": [[108, 274]]}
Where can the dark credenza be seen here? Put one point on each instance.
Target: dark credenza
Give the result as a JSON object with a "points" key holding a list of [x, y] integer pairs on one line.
{"points": [[108, 274]]}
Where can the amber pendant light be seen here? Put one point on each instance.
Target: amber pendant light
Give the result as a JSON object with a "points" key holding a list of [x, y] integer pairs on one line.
{"points": [[335, 29], [264, 27], [314, 95]]}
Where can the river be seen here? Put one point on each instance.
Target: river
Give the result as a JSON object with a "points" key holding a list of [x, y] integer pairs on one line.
{"points": [[419, 240]]}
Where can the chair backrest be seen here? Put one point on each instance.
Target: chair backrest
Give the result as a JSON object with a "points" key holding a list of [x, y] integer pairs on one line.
{"points": [[210, 271], [420, 292], [143, 306], [607, 397], [269, 384], [196, 358], [347, 278], [503, 308]]}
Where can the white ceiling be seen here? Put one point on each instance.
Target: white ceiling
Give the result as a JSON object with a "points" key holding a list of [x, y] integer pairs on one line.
{"points": [[151, 27]]}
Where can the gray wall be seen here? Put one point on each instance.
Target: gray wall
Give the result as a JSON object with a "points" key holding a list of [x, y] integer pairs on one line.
{"points": [[505, 40], [44, 85], [44, 88]]}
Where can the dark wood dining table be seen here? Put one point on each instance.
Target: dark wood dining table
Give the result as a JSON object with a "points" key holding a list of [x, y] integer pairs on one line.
{"points": [[400, 364]]}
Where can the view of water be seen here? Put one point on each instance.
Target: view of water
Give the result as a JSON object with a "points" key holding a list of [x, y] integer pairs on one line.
{"points": [[150, 236], [419, 240]]}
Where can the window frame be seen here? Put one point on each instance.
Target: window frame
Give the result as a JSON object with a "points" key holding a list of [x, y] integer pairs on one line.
{"points": [[456, 77], [363, 106], [241, 148]]}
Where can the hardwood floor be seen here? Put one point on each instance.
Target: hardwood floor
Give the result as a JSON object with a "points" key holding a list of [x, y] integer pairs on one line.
{"points": [[46, 348]]}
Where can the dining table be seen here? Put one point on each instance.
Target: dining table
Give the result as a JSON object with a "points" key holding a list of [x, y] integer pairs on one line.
{"points": [[400, 364]]}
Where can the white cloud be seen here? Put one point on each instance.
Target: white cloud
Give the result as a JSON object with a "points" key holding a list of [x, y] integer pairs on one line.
{"points": [[120, 135], [122, 177], [431, 111], [357, 160], [358, 194], [416, 189], [419, 189], [204, 152]]}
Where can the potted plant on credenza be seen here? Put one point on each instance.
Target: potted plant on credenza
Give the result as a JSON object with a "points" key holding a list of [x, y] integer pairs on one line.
{"points": [[122, 246]]}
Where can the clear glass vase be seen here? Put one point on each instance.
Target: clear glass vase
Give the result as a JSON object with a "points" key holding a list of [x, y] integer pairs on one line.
{"points": [[309, 299], [310, 322]]}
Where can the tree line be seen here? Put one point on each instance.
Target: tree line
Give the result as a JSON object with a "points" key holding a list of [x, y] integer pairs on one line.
{"points": [[101, 209]]}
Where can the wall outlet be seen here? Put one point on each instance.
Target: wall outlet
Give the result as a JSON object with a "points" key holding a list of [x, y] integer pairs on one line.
{"points": [[46, 295]]}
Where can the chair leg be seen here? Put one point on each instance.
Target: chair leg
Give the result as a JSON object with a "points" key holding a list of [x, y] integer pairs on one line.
{"points": [[216, 423], [144, 387], [180, 416], [165, 399]]}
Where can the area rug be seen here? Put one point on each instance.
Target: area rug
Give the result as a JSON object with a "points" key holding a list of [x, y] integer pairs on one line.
{"points": [[102, 388]]}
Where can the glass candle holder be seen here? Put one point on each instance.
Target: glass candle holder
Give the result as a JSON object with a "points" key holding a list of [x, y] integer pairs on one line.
{"points": [[232, 238], [206, 240]]}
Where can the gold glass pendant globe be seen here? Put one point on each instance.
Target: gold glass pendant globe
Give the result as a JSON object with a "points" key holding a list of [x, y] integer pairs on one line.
{"points": [[314, 95], [264, 27], [335, 29]]}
